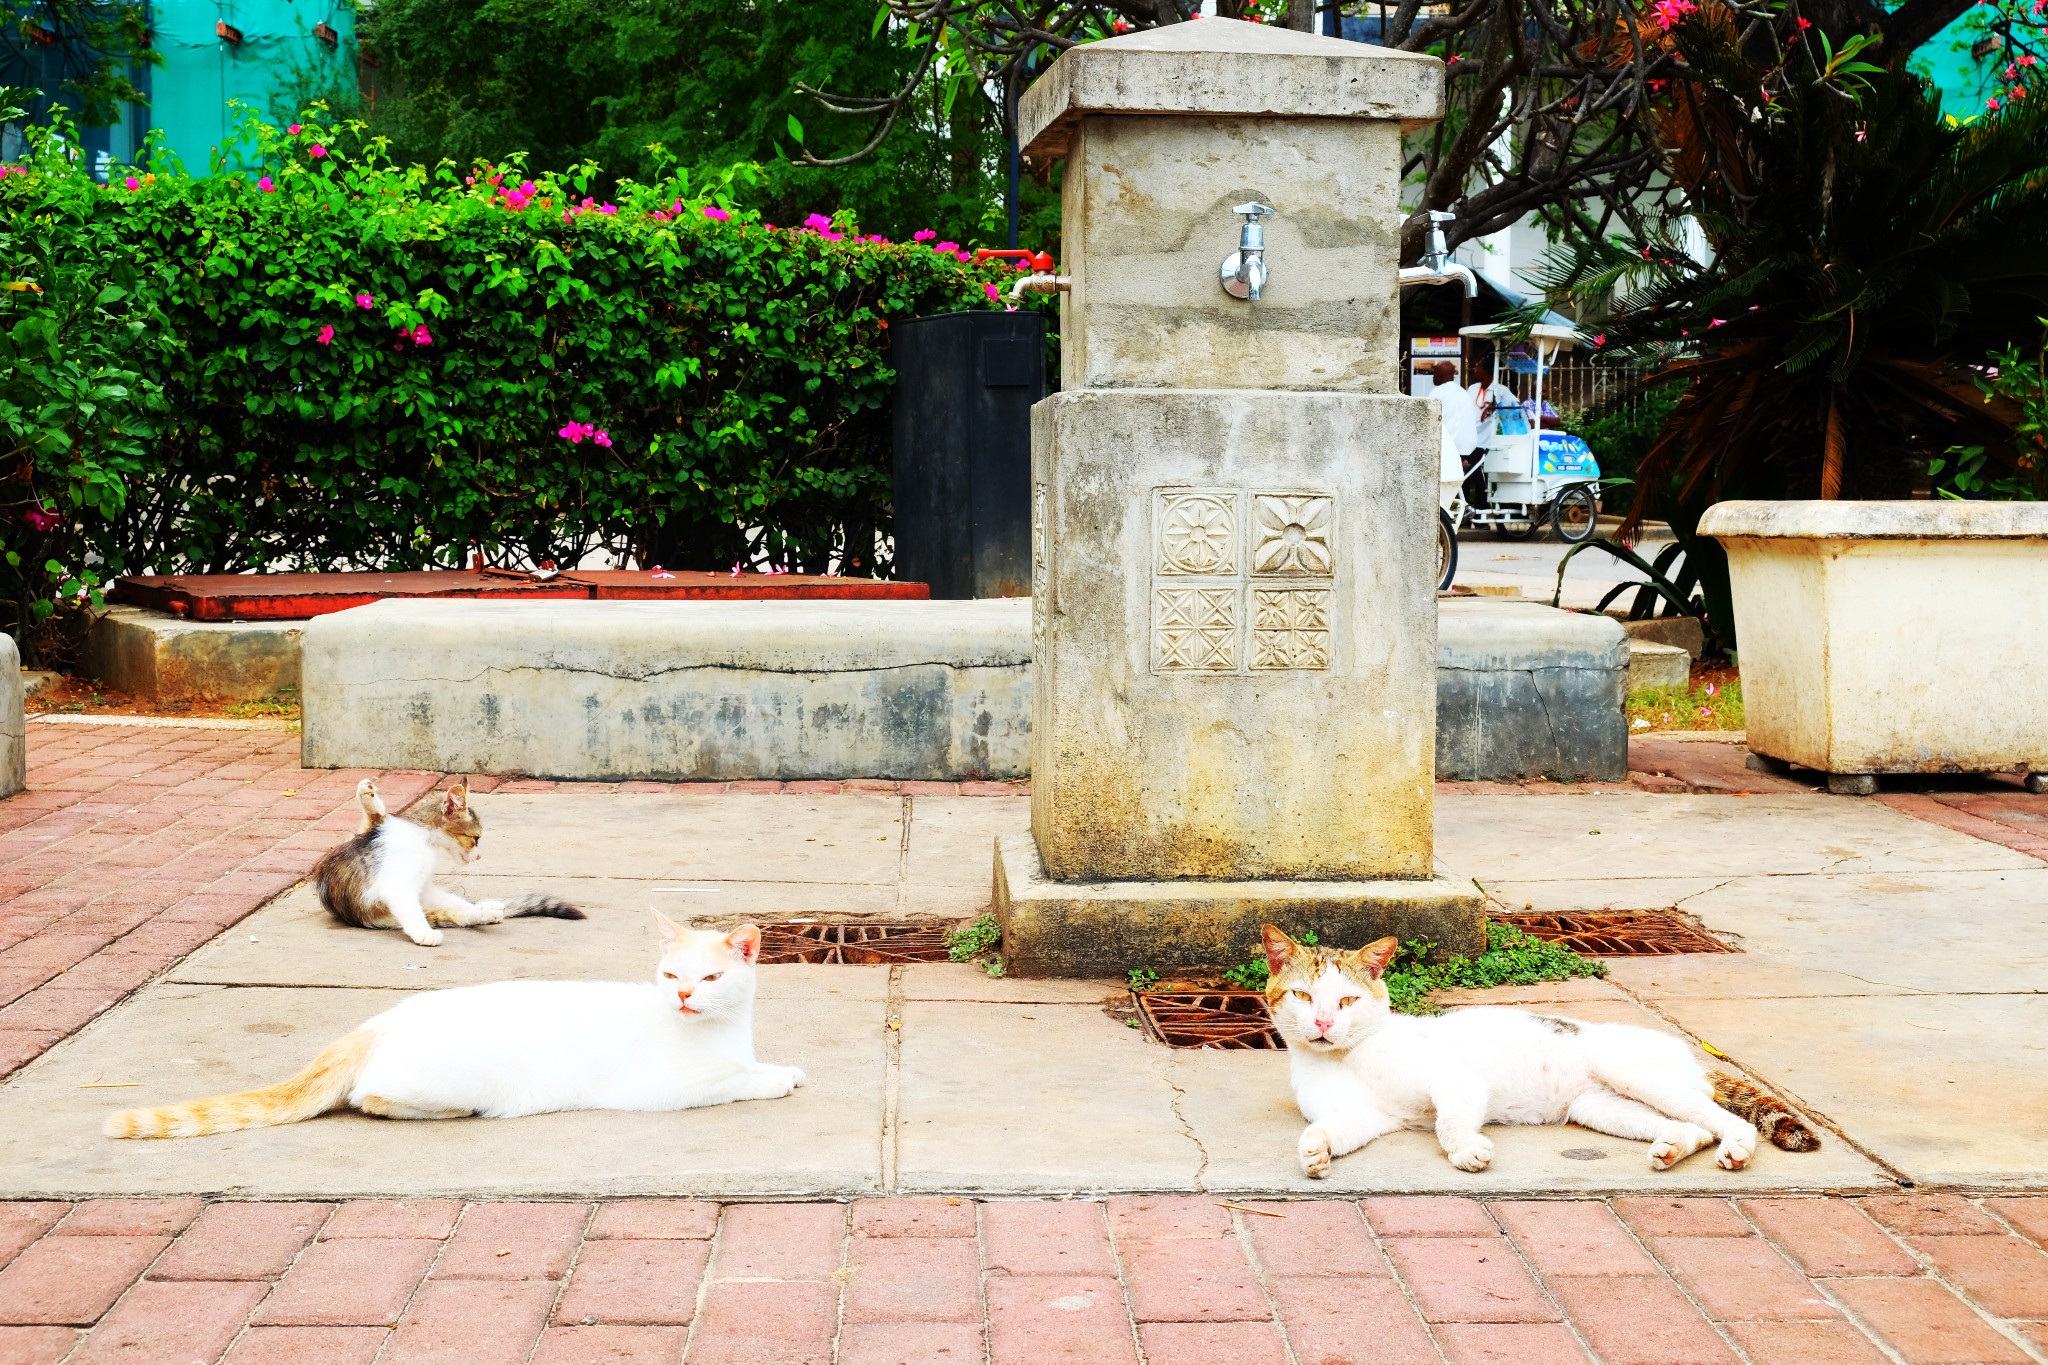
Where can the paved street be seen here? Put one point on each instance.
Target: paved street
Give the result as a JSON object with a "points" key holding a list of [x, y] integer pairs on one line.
{"points": [[157, 946]]}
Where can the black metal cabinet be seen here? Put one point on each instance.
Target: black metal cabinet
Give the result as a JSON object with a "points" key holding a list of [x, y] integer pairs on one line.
{"points": [[965, 383]]}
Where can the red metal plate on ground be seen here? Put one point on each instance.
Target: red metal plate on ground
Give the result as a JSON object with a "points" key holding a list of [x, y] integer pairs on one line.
{"points": [[298, 596], [869, 944], [1226, 1019], [1617, 933]]}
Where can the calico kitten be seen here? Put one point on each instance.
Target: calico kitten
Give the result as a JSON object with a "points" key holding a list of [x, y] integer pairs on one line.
{"points": [[384, 877], [681, 1041], [1360, 1071]]}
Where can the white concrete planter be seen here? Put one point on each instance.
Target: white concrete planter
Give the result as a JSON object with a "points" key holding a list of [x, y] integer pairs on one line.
{"points": [[1891, 637]]}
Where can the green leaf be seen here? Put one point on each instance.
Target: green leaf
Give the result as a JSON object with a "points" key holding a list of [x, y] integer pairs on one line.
{"points": [[796, 129]]}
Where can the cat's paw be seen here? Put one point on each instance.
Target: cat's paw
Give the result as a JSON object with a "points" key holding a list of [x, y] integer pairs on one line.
{"points": [[428, 938], [1677, 1144], [1314, 1150], [796, 1076], [1736, 1151], [1474, 1154], [488, 912]]}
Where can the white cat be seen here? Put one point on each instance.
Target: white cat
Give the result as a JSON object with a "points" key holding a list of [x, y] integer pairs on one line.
{"points": [[682, 1041], [1361, 1071]]}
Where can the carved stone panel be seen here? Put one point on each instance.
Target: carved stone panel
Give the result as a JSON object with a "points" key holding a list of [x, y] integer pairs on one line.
{"points": [[1195, 629], [1291, 535], [1041, 580], [1228, 593], [1197, 532], [1290, 628]]}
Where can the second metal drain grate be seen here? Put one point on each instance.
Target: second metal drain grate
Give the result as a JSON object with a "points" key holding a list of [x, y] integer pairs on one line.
{"points": [[864, 944]]}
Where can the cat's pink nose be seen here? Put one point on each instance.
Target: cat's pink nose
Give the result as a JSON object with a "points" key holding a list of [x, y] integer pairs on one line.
{"points": [[1323, 1026], [683, 999]]}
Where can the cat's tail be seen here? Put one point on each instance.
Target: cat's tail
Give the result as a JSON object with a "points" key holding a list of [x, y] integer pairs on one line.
{"points": [[1779, 1125], [320, 1087], [544, 906]]}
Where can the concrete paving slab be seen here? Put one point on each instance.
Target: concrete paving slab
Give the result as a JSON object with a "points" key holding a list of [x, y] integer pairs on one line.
{"points": [[1878, 930], [1598, 893], [1039, 1098], [293, 942], [734, 836], [952, 839], [967, 981], [1526, 838], [177, 1042], [1946, 1088]]}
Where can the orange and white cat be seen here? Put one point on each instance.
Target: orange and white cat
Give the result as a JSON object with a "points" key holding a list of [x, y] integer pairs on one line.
{"points": [[1361, 1071], [681, 1041]]}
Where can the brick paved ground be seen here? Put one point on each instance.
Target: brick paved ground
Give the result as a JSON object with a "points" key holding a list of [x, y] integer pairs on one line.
{"points": [[135, 845], [1188, 1280]]}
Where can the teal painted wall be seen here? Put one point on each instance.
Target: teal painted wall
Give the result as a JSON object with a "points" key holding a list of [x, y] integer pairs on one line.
{"points": [[1964, 81], [278, 62]]}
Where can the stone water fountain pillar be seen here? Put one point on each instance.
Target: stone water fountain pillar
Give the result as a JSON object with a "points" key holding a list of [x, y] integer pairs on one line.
{"points": [[1234, 515]]}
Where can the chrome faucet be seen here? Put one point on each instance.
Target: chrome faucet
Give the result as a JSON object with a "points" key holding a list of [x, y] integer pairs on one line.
{"points": [[1243, 274]]}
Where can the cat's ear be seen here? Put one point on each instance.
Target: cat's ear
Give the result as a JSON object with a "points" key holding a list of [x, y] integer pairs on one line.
{"points": [[746, 941], [1375, 956], [1279, 948], [457, 799], [671, 932]]}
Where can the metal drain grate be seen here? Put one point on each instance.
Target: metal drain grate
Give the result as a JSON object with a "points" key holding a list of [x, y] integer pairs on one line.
{"points": [[1615, 933], [865, 944], [1232, 1019]]}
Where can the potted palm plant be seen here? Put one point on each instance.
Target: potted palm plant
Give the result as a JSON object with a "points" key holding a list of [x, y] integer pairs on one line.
{"points": [[1865, 254]]}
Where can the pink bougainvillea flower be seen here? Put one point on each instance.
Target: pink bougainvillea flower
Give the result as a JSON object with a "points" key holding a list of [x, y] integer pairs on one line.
{"points": [[316, 151], [991, 291], [735, 568], [659, 572], [943, 247], [366, 301], [603, 438], [1717, 322], [923, 235], [818, 222], [132, 183], [421, 336], [572, 433], [326, 337], [266, 184], [1710, 689], [40, 520], [716, 214], [294, 129]]}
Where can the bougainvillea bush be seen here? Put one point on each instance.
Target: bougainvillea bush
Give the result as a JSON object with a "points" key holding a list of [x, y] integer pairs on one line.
{"points": [[349, 363]]}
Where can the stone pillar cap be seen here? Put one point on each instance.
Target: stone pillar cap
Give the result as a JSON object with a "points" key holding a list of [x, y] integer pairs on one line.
{"points": [[1224, 67], [1813, 519]]}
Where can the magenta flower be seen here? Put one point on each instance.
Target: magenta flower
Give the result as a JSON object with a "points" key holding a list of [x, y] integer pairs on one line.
{"points": [[316, 151], [991, 291], [923, 235], [40, 520], [132, 183], [1716, 322], [326, 337], [818, 222], [603, 438], [266, 184], [573, 433], [365, 301], [715, 213], [945, 246], [421, 336], [294, 129]]}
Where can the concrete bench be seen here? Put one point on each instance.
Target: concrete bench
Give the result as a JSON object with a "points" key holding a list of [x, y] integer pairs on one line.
{"points": [[673, 690], [1525, 690], [909, 690]]}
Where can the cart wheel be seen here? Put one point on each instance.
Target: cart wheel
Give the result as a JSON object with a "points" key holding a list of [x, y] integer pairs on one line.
{"points": [[1521, 530], [1446, 551], [1576, 514]]}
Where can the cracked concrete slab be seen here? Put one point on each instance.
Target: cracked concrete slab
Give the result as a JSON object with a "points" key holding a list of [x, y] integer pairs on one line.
{"points": [[1948, 1089]]}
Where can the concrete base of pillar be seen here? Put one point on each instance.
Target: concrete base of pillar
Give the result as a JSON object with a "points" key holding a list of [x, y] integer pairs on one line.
{"points": [[158, 657], [1106, 928]]}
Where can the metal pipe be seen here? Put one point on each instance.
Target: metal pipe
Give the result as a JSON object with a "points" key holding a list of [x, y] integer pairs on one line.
{"points": [[1437, 267], [1041, 284]]}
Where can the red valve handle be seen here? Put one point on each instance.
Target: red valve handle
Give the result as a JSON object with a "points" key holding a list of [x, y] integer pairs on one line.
{"points": [[1038, 260]]}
